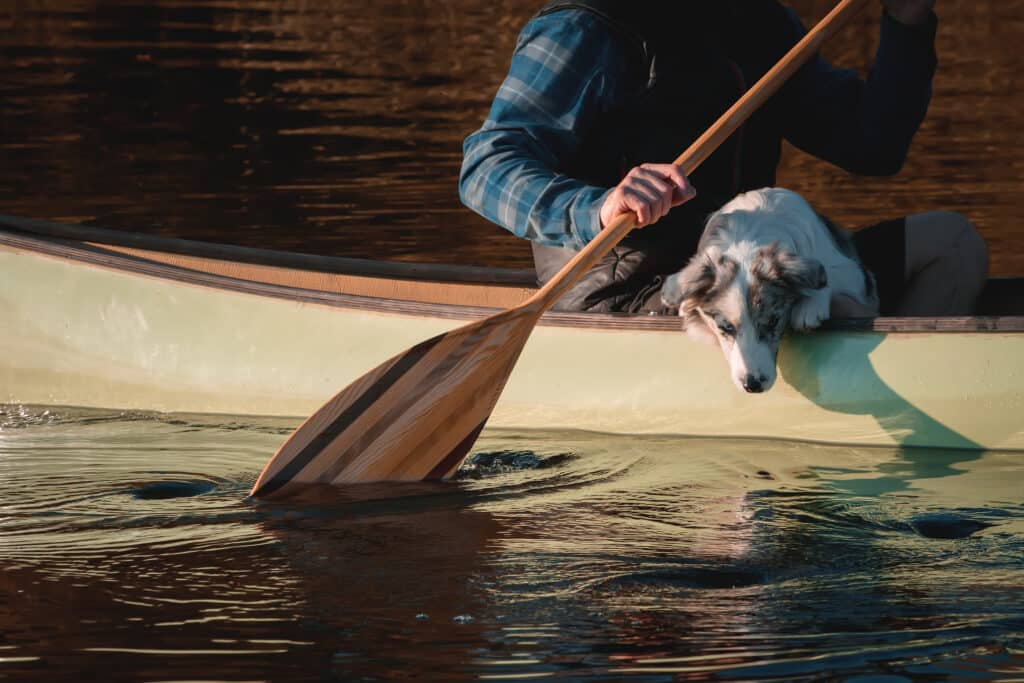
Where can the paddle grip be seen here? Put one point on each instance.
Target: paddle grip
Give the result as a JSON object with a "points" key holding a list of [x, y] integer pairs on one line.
{"points": [[700, 150]]}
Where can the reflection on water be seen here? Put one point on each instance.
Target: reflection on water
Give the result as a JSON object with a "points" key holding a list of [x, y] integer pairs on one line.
{"points": [[335, 127], [580, 556]]}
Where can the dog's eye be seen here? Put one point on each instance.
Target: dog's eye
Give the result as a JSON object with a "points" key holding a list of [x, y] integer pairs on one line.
{"points": [[727, 329]]}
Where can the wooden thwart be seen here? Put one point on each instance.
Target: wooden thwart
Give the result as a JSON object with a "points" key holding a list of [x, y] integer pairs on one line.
{"points": [[418, 414]]}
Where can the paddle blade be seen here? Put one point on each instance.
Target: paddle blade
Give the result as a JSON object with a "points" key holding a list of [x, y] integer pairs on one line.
{"points": [[413, 417]]}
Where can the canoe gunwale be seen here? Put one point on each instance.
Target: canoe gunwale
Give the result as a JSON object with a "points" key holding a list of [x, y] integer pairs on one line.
{"points": [[436, 272], [70, 244]]}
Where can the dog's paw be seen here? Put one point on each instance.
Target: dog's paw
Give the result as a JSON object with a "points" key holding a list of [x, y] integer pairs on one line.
{"points": [[811, 311]]}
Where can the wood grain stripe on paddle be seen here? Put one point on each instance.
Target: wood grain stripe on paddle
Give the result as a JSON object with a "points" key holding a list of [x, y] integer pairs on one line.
{"points": [[340, 459], [455, 456], [443, 443], [405, 454], [408, 453], [370, 395]]}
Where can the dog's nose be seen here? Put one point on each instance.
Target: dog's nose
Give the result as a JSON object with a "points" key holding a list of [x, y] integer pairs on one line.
{"points": [[753, 385]]}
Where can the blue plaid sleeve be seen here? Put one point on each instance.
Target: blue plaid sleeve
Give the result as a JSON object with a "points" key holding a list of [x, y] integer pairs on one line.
{"points": [[563, 74]]}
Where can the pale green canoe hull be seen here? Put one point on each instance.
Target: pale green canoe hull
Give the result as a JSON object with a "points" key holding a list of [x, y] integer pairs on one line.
{"points": [[81, 334]]}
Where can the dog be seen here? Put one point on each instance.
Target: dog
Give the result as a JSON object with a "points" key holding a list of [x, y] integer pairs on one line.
{"points": [[765, 260]]}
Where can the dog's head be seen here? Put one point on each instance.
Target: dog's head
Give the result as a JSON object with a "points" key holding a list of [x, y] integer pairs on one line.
{"points": [[743, 301]]}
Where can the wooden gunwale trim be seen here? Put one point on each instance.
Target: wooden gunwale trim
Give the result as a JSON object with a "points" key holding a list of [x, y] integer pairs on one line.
{"points": [[522, 277], [114, 260], [424, 291]]}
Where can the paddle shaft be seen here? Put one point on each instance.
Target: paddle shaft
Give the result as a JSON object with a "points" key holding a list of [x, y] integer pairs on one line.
{"points": [[696, 153]]}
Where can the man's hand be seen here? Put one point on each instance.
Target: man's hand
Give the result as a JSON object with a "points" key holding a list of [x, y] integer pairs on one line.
{"points": [[909, 12], [649, 191]]}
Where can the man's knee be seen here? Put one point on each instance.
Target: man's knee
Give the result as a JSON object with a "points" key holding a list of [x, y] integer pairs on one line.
{"points": [[950, 238], [968, 247]]}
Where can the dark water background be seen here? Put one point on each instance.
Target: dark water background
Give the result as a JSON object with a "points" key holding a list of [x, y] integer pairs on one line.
{"points": [[335, 127], [128, 551]]}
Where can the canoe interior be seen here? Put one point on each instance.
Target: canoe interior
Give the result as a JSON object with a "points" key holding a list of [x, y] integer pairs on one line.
{"points": [[449, 291]]}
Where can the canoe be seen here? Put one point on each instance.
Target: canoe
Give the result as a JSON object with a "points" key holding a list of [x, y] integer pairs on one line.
{"points": [[98, 318]]}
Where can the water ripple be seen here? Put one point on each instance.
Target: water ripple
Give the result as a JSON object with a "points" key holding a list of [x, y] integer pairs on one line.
{"points": [[565, 554]]}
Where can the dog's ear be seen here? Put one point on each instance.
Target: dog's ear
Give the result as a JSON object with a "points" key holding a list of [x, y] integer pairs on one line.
{"points": [[800, 272], [695, 280]]}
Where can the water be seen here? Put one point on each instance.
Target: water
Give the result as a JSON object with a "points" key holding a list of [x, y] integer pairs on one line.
{"points": [[336, 127], [128, 551]]}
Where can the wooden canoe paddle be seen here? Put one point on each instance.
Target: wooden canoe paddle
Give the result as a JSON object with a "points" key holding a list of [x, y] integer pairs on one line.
{"points": [[418, 414]]}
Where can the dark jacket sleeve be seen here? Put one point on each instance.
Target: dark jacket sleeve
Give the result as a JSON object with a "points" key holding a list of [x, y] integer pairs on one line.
{"points": [[864, 126]]}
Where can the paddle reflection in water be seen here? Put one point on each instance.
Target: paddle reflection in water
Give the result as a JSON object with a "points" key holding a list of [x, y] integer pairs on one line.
{"points": [[574, 555], [389, 577]]}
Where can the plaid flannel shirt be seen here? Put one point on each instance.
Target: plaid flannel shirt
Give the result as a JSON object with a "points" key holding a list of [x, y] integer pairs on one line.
{"points": [[565, 72]]}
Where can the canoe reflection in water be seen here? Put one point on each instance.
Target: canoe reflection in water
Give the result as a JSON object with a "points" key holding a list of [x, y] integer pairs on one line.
{"points": [[905, 423]]}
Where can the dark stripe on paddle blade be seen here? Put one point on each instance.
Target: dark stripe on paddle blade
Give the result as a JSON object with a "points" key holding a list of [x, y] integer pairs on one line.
{"points": [[348, 416], [493, 391], [457, 454], [434, 378]]}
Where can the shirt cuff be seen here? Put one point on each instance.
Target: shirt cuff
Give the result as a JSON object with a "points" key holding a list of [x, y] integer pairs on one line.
{"points": [[586, 214]]}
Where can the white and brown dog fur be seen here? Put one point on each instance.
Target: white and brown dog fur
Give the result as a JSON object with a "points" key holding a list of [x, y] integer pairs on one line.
{"points": [[766, 260]]}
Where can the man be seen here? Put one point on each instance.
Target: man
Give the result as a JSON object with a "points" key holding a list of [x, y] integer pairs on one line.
{"points": [[601, 95]]}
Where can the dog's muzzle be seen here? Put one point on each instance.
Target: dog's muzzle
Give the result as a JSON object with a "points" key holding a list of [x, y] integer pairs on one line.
{"points": [[754, 384]]}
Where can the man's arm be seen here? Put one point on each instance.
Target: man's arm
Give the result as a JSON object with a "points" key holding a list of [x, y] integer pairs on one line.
{"points": [[910, 12], [564, 70], [866, 127]]}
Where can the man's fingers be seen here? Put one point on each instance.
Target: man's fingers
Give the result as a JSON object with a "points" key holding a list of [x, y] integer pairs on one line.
{"points": [[682, 189], [669, 172], [639, 205], [656, 184], [683, 194], [648, 191], [656, 190], [647, 206], [651, 191]]}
